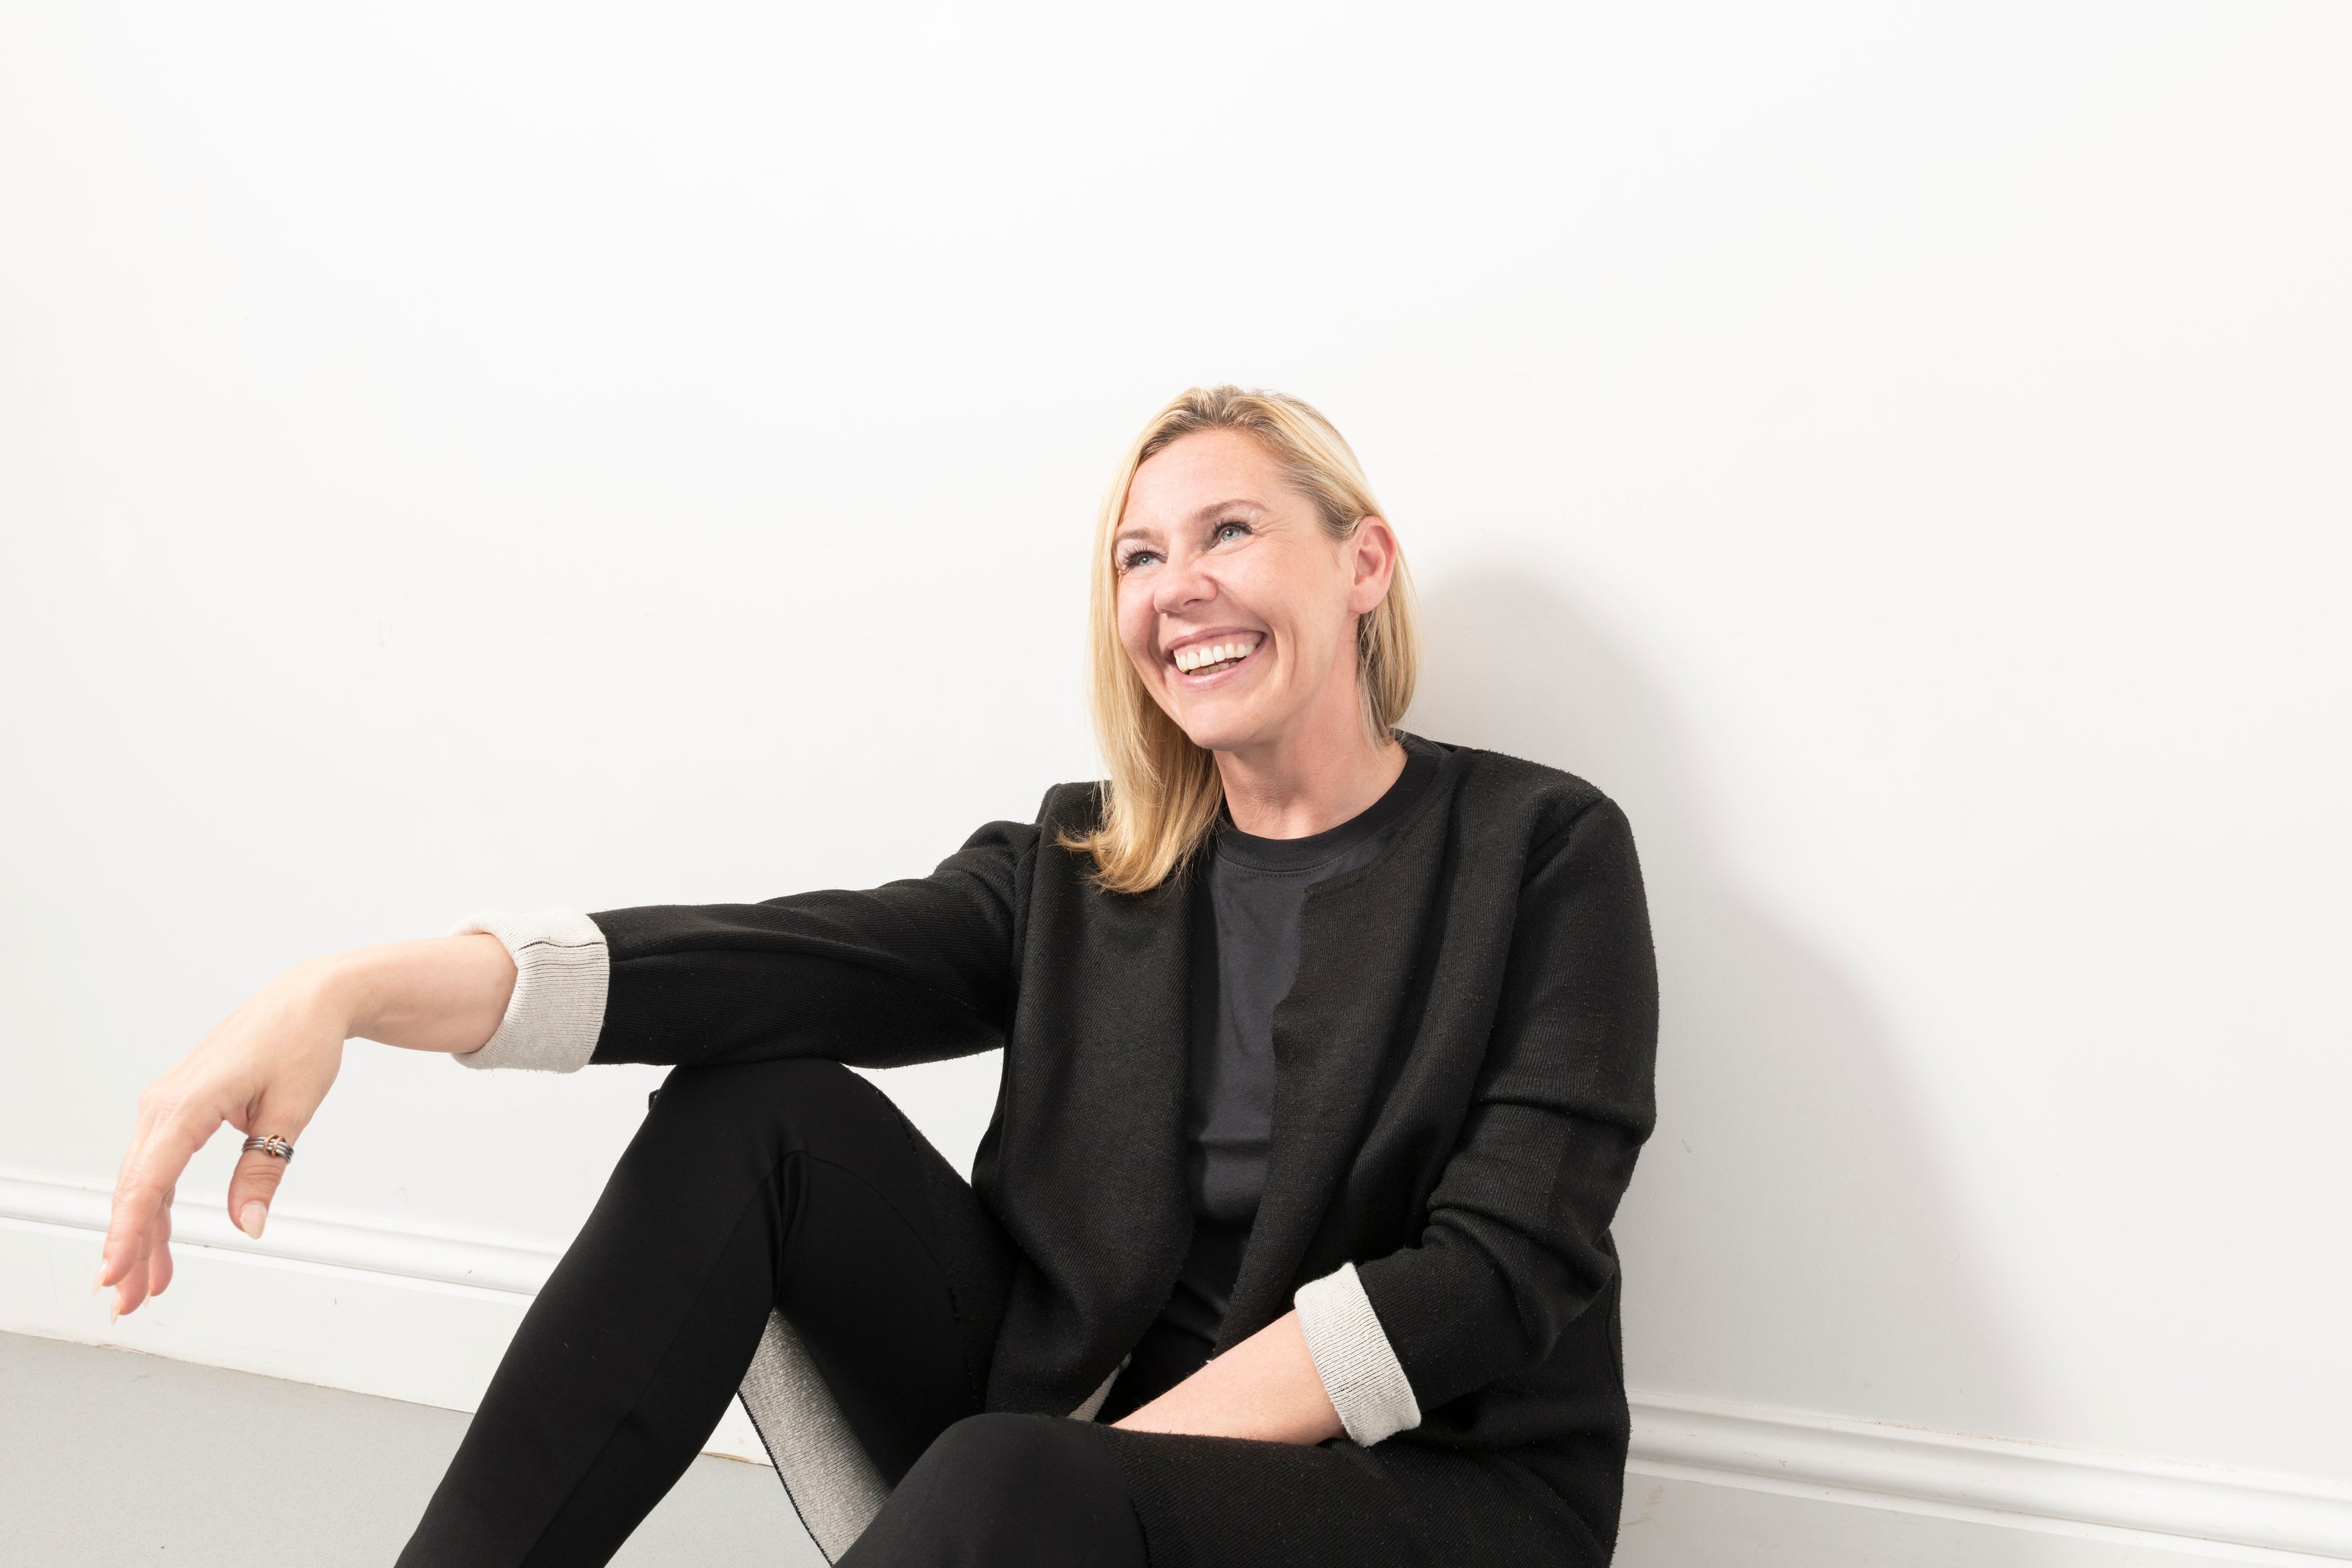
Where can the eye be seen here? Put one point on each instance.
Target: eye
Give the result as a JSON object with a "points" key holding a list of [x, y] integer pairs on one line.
{"points": [[1135, 558], [1229, 530]]}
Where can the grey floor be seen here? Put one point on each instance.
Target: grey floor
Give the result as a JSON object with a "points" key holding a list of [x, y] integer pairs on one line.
{"points": [[110, 1458]]}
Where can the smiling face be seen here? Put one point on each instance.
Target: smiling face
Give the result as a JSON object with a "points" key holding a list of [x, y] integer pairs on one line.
{"points": [[1236, 605]]}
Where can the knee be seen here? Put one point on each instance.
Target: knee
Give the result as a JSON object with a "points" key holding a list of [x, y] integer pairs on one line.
{"points": [[697, 1101], [1038, 1491], [1002, 1476], [996, 1453]]}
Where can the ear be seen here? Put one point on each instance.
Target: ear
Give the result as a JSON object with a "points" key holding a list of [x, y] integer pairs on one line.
{"points": [[1371, 557]]}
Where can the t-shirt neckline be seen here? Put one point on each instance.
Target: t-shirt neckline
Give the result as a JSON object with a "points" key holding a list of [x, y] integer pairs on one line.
{"points": [[1256, 854]]}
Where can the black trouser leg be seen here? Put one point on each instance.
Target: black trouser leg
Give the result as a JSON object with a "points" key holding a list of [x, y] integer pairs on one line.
{"points": [[787, 1184], [1008, 1491]]}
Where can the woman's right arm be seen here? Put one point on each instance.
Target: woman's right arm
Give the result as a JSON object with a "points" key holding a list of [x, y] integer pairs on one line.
{"points": [[265, 1068], [911, 970]]}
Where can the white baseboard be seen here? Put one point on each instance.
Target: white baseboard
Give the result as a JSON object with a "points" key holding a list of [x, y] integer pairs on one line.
{"points": [[423, 1317], [2183, 1508]]}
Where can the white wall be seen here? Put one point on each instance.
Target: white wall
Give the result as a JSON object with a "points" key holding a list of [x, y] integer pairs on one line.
{"points": [[457, 455]]}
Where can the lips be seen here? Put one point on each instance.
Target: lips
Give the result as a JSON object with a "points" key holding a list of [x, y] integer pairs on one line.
{"points": [[1213, 653]]}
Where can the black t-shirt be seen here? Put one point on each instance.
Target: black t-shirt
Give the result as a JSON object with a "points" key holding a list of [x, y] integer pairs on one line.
{"points": [[1244, 957]]}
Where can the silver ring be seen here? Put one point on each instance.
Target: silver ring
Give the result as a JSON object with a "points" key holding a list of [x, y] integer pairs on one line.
{"points": [[270, 1145]]}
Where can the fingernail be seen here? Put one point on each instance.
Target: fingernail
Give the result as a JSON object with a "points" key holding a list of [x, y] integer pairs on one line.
{"points": [[250, 1218], [98, 1281]]}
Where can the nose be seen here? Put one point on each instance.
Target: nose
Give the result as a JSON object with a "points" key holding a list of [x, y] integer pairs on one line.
{"points": [[1180, 586]]}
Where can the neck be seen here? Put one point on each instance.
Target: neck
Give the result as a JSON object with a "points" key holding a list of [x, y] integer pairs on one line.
{"points": [[1315, 775]]}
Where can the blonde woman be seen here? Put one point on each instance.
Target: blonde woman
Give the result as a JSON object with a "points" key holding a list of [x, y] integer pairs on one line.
{"points": [[1327, 1055]]}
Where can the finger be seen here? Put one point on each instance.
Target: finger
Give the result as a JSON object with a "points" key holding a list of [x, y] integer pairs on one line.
{"points": [[130, 1224], [153, 1270], [131, 1290], [251, 1190], [253, 1185], [159, 1255], [139, 1283], [144, 1191], [118, 1214]]}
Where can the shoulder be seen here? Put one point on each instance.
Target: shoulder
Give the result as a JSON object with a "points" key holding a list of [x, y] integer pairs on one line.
{"points": [[1507, 808], [1072, 808], [1495, 783], [1067, 808]]}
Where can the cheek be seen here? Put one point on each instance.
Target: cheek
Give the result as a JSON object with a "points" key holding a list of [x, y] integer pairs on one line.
{"points": [[1268, 591], [1320, 614], [1135, 624]]}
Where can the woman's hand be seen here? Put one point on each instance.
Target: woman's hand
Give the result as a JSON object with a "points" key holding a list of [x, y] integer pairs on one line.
{"points": [[265, 1068], [1265, 1388]]}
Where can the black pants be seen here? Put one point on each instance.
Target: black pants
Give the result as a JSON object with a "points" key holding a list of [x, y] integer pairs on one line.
{"points": [[798, 1186]]}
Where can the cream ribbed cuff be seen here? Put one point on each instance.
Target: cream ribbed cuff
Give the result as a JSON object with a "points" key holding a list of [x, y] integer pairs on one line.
{"points": [[561, 969], [1359, 1371]]}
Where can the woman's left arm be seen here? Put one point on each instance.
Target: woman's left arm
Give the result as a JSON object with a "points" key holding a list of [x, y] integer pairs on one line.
{"points": [[1516, 1246]]}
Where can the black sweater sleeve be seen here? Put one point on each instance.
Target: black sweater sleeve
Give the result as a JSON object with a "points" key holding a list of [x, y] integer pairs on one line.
{"points": [[912, 971], [1516, 1241]]}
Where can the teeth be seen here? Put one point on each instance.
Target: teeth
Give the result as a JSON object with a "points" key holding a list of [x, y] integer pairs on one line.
{"points": [[1201, 658]]}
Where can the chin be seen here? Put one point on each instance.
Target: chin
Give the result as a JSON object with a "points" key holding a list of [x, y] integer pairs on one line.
{"points": [[1220, 732]]}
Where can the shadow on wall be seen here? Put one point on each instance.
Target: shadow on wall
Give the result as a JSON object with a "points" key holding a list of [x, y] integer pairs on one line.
{"points": [[1790, 1239]]}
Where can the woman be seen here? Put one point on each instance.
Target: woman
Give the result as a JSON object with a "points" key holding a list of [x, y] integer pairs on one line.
{"points": [[1327, 1055]]}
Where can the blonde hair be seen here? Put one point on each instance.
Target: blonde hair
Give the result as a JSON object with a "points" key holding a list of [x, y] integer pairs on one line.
{"points": [[1164, 791]]}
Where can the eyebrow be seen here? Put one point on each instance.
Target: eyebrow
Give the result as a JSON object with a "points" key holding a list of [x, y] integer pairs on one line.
{"points": [[1206, 513]]}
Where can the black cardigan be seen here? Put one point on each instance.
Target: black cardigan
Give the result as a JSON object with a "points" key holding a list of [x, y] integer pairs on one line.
{"points": [[1463, 1078]]}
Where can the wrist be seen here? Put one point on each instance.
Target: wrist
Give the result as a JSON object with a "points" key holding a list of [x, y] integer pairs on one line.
{"points": [[333, 992]]}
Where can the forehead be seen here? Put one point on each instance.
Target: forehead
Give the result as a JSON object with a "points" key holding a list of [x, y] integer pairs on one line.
{"points": [[1201, 473]]}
